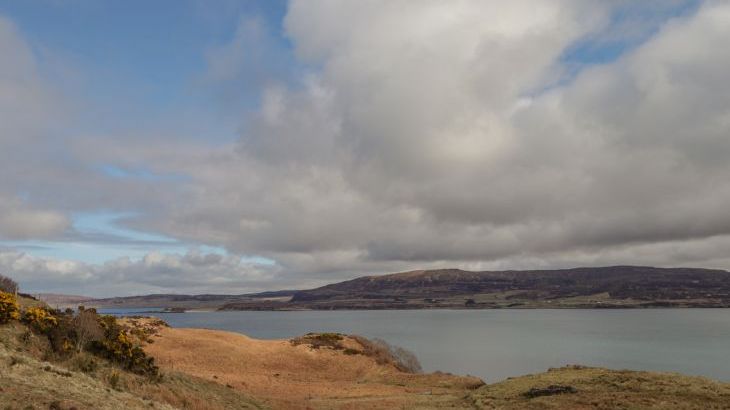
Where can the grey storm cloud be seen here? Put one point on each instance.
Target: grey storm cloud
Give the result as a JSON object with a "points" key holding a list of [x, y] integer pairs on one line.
{"points": [[430, 134]]}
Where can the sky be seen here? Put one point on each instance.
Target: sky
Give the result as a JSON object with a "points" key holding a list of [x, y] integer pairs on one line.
{"points": [[239, 146]]}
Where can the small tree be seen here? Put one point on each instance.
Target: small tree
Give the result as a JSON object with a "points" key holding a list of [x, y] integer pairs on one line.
{"points": [[87, 328], [8, 285]]}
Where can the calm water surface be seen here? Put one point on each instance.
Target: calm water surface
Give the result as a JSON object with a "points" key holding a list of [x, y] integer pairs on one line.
{"points": [[496, 344]]}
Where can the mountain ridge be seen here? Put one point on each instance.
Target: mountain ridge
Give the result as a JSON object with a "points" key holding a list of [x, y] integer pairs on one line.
{"points": [[620, 286]]}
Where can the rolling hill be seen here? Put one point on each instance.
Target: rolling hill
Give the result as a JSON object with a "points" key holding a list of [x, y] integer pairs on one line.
{"points": [[614, 286]]}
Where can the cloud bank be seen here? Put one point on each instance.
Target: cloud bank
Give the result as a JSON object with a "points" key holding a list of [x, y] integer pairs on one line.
{"points": [[428, 136], [452, 134], [194, 272]]}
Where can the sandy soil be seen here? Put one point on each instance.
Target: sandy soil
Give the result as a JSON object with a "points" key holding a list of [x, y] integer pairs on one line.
{"points": [[299, 377]]}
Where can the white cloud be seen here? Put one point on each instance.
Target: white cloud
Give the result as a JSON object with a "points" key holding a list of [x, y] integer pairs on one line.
{"points": [[406, 147], [432, 134], [193, 272], [27, 111], [19, 221]]}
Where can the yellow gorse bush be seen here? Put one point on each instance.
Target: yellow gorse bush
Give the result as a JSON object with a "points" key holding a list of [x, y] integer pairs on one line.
{"points": [[9, 309], [118, 347], [39, 319]]}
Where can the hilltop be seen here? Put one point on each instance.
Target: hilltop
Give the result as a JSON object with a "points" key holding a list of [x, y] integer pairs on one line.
{"points": [[586, 287], [179, 301], [601, 287]]}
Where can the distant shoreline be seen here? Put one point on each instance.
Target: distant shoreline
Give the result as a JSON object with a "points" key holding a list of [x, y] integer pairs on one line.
{"points": [[611, 287], [154, 312]]}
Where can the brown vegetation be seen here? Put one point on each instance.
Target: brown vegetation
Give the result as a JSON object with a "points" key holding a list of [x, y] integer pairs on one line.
{"points": [[578, 387], [297, 375], [88, 329], [41, 368], [8, 285], [379, 350], [86, 382], [213, 370], [385, 353]]}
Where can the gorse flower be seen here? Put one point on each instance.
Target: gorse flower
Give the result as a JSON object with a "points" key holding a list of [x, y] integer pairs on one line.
{"points": [[9, 309], [40, 319]]}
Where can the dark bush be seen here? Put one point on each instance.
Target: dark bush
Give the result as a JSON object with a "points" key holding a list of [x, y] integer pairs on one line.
{"points": [[385, 353], [55, 325], [63, 336], [317, 340], [84, 363], [117, 347], [8, 285], [551, 390]]}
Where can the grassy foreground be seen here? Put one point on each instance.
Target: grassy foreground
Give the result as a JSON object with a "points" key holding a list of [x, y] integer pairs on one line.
{"points": [[596, 388], [210, 370], [29, 379]]}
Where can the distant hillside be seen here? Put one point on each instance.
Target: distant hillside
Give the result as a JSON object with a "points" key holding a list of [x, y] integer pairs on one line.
{"points": [[600, 287], [186, 301], [56, 299], [615, 286]]}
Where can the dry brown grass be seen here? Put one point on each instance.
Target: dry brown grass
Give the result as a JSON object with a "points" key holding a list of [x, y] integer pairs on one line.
{"points": [[288, 376], [603, 389], [33, 384], [27, 381], [214, 370]]}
